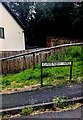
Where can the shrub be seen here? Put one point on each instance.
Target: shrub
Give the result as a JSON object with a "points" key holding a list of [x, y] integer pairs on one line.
{"points": [[58, 102], [27, 111], [6, 82]]}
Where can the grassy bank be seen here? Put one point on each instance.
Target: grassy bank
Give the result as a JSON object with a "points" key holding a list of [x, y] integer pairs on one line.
{"points": [[51, 76]]}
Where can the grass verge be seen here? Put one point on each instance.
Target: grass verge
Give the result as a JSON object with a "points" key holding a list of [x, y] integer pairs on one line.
{"points": [[51, 76]]}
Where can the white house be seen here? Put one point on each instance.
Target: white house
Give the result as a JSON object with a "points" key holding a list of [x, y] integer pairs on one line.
{"points": [[12, 31]]}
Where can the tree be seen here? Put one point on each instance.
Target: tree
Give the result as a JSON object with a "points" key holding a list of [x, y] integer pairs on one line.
{"points": [[42, 19], [77, 24]]}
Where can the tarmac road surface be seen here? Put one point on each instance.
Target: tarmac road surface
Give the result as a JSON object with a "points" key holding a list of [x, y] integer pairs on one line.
{"points": [[77, 113], [39, 96]]}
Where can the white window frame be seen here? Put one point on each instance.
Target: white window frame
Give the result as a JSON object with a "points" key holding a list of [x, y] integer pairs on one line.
{"points": [[1, 32]]}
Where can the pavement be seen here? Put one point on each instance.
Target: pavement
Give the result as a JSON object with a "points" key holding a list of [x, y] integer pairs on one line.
{"points": [[39, 96], [77, 113]]}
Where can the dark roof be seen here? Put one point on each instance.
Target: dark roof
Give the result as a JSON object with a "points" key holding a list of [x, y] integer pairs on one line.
{"points": [[13, 15]]}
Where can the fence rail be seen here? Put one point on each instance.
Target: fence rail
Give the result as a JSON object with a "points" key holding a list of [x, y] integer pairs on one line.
{"points": [[42, 50], [22, 61]]}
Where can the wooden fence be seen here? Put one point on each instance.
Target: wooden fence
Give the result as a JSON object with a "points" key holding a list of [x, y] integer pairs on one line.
{"points": [[22, 61]]}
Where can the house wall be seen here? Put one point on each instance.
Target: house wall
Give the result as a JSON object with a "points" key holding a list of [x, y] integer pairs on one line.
{"points": [[14, 35]]}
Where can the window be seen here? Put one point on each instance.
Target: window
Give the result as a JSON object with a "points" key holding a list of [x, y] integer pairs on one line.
{"points": [[1, 32]]}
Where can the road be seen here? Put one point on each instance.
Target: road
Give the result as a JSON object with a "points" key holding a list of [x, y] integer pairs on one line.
{"points": [[39, 96], [77, 113]]}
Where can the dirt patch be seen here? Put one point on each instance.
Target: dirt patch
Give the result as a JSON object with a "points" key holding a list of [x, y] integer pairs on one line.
{"points": [[25, 88]]}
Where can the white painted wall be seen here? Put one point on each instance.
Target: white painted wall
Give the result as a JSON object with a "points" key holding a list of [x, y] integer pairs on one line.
{"points": [[14, 35]]}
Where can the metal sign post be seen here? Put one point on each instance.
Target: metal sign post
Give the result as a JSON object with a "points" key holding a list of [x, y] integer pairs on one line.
{"points": [[56, 64]]}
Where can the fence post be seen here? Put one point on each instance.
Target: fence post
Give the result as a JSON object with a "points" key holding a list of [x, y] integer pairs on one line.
{"points": [[24, 62], [41, 76], [45, 57], [1, 67], [63, 53], [53, 51], [40, 57], [33, 60], [71, 70]]}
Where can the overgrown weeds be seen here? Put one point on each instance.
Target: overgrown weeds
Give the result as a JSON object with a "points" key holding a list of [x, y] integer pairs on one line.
{"points": [[26, 111]]}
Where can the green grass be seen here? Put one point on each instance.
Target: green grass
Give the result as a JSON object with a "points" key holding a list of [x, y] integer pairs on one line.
{"points": [[51, 76], [26, 111]]}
